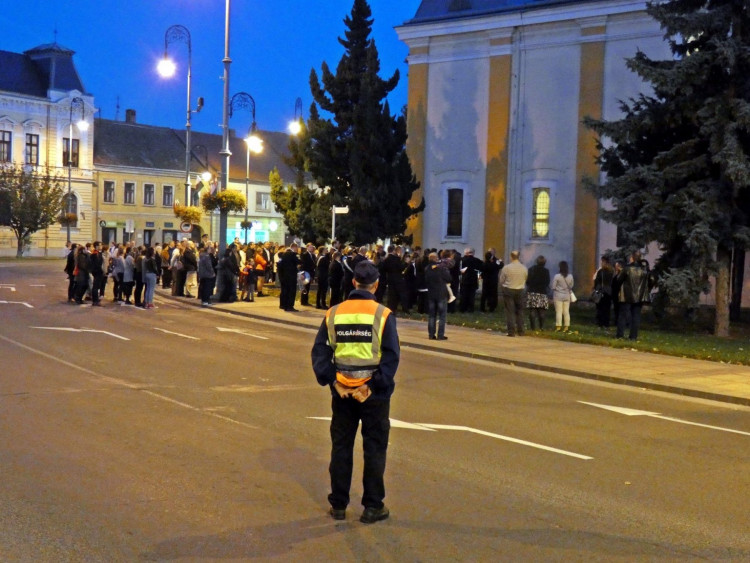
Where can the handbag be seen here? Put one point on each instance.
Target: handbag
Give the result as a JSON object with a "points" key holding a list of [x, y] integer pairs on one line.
{"points": [[596, 296], [573, 297]]}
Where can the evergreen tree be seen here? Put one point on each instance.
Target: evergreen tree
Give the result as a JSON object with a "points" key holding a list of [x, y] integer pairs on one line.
{"points": [[29, 202], [359, 153], [677, 162], [303, 208]]}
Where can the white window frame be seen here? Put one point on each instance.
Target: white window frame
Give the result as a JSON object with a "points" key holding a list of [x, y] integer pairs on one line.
{"points": [[528, 216], [267, 200], [153, 194], [125, 193], [114, 192], [446, 188], [171, 199]]}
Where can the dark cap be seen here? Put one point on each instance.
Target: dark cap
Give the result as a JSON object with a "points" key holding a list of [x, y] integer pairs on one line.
{"points": [[366, 273]]}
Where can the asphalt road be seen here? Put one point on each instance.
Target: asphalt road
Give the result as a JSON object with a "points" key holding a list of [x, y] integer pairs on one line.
{"points": [[188, 434]]}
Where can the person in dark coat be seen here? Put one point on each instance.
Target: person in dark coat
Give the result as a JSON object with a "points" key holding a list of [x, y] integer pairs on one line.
{"points": [[603, 284], [336, 278], [537, 288], [81, 273], [393, 269], [96, 269], [321, 275], [437, 278], [70, 266], [470, 268], [490, 273], [453, 259], [287, 269]]}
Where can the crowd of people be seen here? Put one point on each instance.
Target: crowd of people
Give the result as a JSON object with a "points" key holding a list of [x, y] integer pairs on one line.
{"points": [[434, 282]]}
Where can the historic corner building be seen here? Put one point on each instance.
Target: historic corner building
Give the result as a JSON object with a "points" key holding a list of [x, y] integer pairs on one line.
{"points": [[497, 93], [122, 178]]}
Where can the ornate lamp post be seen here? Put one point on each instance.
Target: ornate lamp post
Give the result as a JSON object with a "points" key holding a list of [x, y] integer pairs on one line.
{"points": [[243, 100], [167, 69], [75, 104]]}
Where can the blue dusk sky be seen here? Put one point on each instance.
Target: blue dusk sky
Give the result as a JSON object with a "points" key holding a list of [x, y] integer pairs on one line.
{"points": [[273, 47]]}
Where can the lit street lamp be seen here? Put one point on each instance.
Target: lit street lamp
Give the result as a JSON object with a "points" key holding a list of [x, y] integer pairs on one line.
{"points": [[295, 126], [75, 104], [243, 100], [167, 69]]}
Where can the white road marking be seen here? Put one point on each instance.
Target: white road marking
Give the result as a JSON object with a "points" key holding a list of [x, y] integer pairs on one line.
{"points": [[435, 427], [7, 286], [38, 285], [17, 303], [176, 333], [129, 385], [635, 412], [221, 329], [68, 329]]}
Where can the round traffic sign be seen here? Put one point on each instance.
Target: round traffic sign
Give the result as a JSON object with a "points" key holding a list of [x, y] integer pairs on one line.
{"points": [[186, 226]]}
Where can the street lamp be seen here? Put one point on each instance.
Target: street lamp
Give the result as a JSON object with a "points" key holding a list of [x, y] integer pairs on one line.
{"points": [[255, 145], [167, 69], [75, 104], [243, 100], [295, 126]]}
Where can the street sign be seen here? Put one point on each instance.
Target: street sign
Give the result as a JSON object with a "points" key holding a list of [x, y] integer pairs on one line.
{"points": [[186, 226], [102, 223], [129, 225], [343, 209]]}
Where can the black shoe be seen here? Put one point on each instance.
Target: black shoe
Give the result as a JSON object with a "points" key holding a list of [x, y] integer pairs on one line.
{"points": [[292, 310], [433, 337], [372, 515], [338, 513], [442, 338]]}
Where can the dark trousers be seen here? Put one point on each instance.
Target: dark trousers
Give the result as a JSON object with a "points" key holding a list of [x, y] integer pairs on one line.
{"points": [[489, 297], [514, 302], [395, 294], [71, 288], [603, 310], [97, 291], [206, 289], [166, 278], [320, 300], [288, 293], [337, 293], [304, 294], [468, 296], [629, 313], [436, 319], [376, 426], [81, 285], [421, 302], [138, 288]]}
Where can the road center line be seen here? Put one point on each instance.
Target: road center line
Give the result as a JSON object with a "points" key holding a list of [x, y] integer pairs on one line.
{"points": [[127, 384]]}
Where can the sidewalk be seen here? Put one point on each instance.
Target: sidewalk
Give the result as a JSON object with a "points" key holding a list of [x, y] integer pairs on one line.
{"points": [[694, 378]]}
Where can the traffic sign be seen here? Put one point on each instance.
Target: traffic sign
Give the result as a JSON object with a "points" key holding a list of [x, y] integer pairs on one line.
{"points": [[186, 226]]}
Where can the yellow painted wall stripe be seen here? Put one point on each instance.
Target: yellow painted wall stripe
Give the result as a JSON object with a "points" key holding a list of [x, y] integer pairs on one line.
{"points": [[416, 128]]}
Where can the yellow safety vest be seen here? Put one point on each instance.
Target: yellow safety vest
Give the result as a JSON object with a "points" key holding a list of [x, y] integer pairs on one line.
{"points": [[355, 330]]}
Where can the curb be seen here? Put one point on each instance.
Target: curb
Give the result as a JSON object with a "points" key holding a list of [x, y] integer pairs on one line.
{"points": [[652, 386]]}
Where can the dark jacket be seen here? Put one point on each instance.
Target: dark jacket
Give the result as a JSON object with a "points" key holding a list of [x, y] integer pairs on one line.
{"points": [[392, 268], [473, 267], [189, 260], [603, 280], [538, 280], [382, 383], [206, 268], [96, 264], [436, 278], [636, 286], [307, 261], [288, 265], [321, 268]]}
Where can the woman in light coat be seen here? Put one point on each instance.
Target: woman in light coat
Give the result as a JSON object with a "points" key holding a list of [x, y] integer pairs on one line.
{"points": [[562, 287]]}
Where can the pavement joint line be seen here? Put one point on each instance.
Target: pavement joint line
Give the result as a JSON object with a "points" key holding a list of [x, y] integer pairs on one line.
{"points": [[641, 384]]}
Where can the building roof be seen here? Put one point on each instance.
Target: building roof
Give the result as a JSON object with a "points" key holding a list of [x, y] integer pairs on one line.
{"points": [[435, 10], [38, 70], [119, 143]]}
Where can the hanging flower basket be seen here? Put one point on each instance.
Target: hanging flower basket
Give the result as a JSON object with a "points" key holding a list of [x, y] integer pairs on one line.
{"points": [[67, 219], [188, 213], [226, 201], [246, 224]]}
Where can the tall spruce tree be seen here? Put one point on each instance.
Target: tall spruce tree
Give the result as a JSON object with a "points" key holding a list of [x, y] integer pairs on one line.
{"points": [[677, 162], [359, 152]]}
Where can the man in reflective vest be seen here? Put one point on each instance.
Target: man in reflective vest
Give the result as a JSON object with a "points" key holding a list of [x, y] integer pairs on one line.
{"points": [[356, 353]]}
